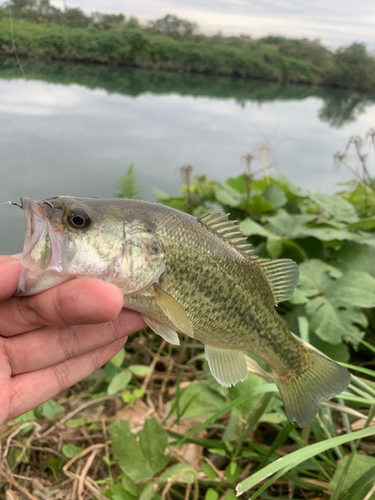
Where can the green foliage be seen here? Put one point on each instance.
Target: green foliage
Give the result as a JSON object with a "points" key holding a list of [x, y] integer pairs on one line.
{"points": [[71, 450], [173, 26], [44, 31], [359, 466], [335, 290], [354, 66], [144, 453], [128, 185]]}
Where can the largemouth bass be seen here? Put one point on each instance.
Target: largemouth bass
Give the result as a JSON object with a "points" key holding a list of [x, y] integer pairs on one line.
{"points": [[184, 274]]}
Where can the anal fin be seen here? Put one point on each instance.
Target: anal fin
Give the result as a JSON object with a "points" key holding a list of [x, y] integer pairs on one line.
{"points": [[227, 366], [162, 330]]}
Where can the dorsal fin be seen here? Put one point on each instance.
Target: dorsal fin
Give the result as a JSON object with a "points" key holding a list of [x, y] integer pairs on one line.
{"points": [[282, 276], [219, 224]]}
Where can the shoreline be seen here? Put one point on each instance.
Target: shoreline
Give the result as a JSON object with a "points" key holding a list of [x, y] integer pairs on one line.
{"points": [[136, 48]]}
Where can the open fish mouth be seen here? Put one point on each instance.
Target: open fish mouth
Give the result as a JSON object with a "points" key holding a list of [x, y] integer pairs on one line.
{"points": [[42, 259]]}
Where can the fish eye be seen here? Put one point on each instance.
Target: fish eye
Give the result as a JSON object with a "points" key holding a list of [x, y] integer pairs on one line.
{"points": [[78, 219]]}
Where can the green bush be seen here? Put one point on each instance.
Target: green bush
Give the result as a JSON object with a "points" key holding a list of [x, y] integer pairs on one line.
{"points": [[307, 63]]}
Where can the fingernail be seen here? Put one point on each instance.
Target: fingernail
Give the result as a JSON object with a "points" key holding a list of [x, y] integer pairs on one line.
{"points": [[17, 256]]}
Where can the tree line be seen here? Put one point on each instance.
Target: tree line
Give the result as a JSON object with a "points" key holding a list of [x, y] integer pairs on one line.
{"points": [[171, 43]]}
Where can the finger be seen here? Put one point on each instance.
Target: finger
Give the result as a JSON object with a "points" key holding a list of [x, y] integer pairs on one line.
{"points": [[76, 302], [49, 346], [32, 389], [9, 275]]}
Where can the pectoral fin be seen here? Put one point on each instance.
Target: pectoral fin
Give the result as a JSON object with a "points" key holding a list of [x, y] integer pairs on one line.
{"points": [[228, 367], [172, 309], [164, 331]]}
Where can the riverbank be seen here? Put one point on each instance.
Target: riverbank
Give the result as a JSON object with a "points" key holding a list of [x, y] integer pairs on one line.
{"points": [[135, 47]]}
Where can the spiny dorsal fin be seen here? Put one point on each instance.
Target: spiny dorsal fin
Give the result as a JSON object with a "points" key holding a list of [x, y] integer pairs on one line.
{"points": [[282, 276], [218, 223]]}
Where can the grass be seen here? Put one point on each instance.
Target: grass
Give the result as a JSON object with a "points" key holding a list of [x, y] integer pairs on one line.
{"points": [[221, 441]]}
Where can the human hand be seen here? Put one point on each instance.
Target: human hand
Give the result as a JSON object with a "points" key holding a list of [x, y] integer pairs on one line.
{"points": [[50, 341]]}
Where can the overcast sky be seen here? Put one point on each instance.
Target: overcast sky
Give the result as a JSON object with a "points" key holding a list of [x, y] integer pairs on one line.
{"points": [[335, 22]]}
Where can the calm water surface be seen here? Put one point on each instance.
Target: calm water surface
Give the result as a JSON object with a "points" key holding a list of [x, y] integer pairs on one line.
{"points": [[73, 129]]}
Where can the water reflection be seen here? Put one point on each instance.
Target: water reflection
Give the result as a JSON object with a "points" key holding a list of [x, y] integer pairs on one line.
{"points": [[339, 106], [74, 129]]}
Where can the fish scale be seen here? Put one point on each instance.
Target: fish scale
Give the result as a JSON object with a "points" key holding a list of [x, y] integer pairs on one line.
{"points": [[197, 276]]}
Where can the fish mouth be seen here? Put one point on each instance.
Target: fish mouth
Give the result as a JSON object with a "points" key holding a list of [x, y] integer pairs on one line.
{"points": [[42, 258]]}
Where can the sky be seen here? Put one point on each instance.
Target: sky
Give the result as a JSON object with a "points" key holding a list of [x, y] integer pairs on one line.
{"points": [[334, 22]]}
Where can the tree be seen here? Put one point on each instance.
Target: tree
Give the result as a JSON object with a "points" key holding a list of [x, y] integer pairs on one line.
{"points": [[173, 26], [353, 68]]}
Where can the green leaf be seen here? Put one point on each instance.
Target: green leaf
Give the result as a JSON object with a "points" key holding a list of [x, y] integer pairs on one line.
{"points": [[209, 471], [232, 471], [240, 388], [153, 440], [354, 288], [198, 400], [71, 450], [140, 370], [129, 485], [275, 195], [367, 223], [211, 494], [50, 409], [182, 473], [229, 495], [257, 205], [118, 358], [289, 187], [359, 466], [295, 458], [274, 246], [73, 423], [337, 352], [117, 492], [339, 208], [333, 306], [356, 257], [218, 451], [237, 183], [226, 195], [331, 323], [250, 227], [324, 233], [128, 185], [250, 393], [127, 451], [110, 371], [360, 489], [119, 382], [148, 492], [290, 225], [315, 277]]}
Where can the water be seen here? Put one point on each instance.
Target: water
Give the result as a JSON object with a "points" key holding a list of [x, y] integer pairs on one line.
{"points": [[73, 129]]}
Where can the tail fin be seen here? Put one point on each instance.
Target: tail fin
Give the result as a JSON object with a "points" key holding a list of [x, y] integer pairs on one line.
{"points": [[303, 395]]}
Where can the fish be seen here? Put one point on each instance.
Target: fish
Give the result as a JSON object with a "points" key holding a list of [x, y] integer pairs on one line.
{"points": [[194, 275]]}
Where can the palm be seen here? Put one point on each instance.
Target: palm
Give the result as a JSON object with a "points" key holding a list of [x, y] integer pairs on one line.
{"points": [[52, 340]]}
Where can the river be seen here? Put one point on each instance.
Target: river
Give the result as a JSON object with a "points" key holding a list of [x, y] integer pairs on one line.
{"points": [[75, 128]]}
